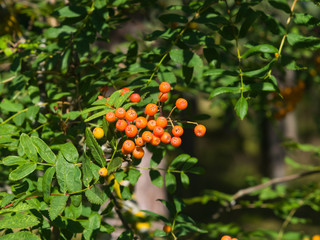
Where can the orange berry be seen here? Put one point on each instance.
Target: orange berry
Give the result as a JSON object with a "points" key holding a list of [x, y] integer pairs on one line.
{"points": [[155, 140], [234, 238], [162, 122], [139, 141], [103, 172], [163, 97], [152, 124], [165, 138], [128, 146], [177, 131], [141, 122], [158, 131], [131, 130], [124, 91], [316, 237], [98, 133], [121, 125], [100, 97], [165, 87], [166, 228], [124, 152], [200, 130], [226, 237], [110, 117], [181, 103], [131, 115], [147, 136], [120, 113], [175, 141], [135, 97], [151, 109], [138, 152]]}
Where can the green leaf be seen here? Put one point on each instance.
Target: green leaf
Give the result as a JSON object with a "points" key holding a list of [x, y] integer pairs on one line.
{"points": [[57, 205], [157, 216], [251, 16], [22, 235], [119, 102], [114, 164], [280, 4], [74, 184], [47, 182], [44, 150], [7, 105], [221, 90], [107, 228], [94, 223], [86, 171], [185, 57], [8, 129], [179, 161], [133, 176], [32, 113], [184, 179], [260, 73], [72, 11], [6, 199], [126, 235], [132, 53], [14, 160], [95, 107], [65, 61], [171, 182], [98, 114], [297, 165], [95, 196], [157, 155], [95, 148], [241, 107], [28, 147], [156, 178], [171, 17], [69, 152], [55, 32], [263, 48], [19, 220], [189, 163], [62, 169], [299, 41], [113, 98], [22, 171], [305, 19], [261, 86]]}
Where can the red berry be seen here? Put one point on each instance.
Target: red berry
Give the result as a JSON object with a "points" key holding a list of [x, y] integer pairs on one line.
{"points": [[121, 125], [181, 103], [163, 97], [135, 97], [200, 130], [177, 131], [165, 87], [151, 109], [131, 130], [120, 113], [176, 141]]}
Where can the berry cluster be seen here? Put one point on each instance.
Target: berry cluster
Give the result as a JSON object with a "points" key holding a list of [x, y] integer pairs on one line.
{"points": [[152, 127]]}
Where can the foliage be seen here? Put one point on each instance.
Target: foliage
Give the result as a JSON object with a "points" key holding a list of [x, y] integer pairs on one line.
{"points": [[56, 60]]}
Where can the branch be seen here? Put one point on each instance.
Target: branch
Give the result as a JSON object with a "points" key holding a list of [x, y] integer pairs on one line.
{"points": [[249, 190]]}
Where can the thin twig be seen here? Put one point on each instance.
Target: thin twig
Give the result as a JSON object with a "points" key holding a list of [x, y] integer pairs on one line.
{"points": [[249, 190]]}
